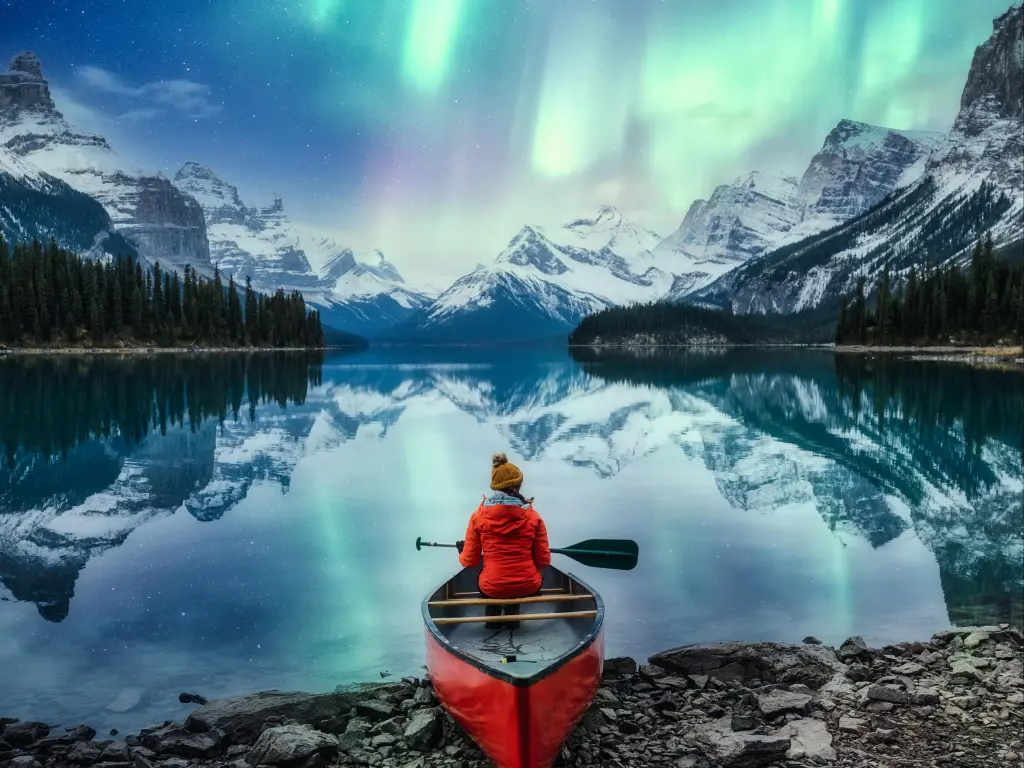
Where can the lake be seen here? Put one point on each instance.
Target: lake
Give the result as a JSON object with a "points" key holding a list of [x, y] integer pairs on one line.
{"points": [[224, 524]]}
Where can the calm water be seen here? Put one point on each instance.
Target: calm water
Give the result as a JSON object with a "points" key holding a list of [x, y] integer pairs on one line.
{"points": [[225, 524]]}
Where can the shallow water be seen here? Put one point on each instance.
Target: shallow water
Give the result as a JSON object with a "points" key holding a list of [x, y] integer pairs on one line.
{"points": [[224, 524]]}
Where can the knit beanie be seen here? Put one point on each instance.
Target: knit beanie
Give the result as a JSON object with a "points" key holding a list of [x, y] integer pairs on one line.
{"points": [[504, 474]]}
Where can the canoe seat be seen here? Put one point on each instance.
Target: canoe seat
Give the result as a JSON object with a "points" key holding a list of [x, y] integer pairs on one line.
{"points": [[509, 601], [519, 617]]}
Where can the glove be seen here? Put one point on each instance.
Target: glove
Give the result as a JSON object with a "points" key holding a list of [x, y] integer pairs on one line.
{"points": [[459, 545]]}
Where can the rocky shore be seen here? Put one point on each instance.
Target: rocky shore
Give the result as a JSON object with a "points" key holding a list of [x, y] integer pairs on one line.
{"points": [[956, 700]]}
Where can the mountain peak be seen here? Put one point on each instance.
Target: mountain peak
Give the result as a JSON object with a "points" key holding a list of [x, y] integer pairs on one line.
{"points": [[194, 170], [997, 69], [27, 64]]}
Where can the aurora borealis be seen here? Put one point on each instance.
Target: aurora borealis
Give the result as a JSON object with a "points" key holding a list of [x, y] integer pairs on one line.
{"points": [[434, 128]]}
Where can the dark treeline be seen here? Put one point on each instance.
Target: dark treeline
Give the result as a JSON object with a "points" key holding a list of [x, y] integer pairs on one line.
{"points": [[52, 404], [52, 296], [674, 323], [940, 304]]}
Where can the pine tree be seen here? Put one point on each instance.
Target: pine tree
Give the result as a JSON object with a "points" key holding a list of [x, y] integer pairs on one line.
{"points": [[251, 313], [236, 329]]}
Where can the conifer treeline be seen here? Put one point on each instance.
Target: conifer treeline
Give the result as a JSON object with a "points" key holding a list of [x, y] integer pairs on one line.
{"points": [[939, 304], [50, 295]]}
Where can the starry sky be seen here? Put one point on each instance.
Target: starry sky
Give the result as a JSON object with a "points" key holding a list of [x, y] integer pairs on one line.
{"points": [[433, 129]]}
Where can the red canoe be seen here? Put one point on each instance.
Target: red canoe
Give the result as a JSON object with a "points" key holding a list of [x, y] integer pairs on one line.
{"points": [[518, 693]]}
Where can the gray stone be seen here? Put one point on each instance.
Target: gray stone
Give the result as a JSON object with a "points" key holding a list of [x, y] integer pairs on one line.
{"points": [[24, 761], [925, 696], [395, 726], [251, 712], [115, 752], [622, 666], [849, 724], [909, 669], [141, 762], [83, 752], [778, 702], [746, 721], [174, 740], [609, 714], [878, 692], [383, 740], [289, 744], [741, 750], [975, 639], [809, 738], [21, 734], [853, 648], [700, 682], [375, 710], [423, 732], [424, 697], [744, 662], [811, 640], [966, 670]]}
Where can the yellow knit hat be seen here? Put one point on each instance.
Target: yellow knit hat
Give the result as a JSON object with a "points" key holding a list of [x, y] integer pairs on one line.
{"points": [[504, 474]]}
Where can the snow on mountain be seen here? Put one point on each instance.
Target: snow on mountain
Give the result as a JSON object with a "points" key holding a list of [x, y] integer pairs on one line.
{"points": [[543, 283], [264, 244], [162, 223], [971, 184]]}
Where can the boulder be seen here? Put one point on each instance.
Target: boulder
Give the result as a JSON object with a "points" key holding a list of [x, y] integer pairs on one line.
{"points": [[853, 648], [21, 734], [849, 724], [248, 713], [424, 730], [765, 662], [809, 739], [83, 753], [289, 744], [622, 666], [741, 750], [174, 740], [778, 702], [116, 752], [878, 692], [24, 761], [375, 710]]}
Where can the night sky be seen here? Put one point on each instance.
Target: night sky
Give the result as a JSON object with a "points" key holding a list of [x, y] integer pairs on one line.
{"points": [[434, 128]]}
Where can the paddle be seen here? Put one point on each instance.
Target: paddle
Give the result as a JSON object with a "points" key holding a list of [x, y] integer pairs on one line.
{"points": [[617, 554]]}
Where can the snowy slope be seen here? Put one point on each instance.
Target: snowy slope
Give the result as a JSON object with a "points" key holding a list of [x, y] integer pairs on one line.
{"points": [[857, 166], [160, 221], [266, 245], [544, 282], [972, 183]]}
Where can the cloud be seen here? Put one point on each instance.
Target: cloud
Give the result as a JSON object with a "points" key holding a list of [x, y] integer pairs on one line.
{"points": [[182, 97]]}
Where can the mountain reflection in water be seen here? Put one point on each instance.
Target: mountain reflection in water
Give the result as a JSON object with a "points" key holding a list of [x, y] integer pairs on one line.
{"points": [[233, 522]]}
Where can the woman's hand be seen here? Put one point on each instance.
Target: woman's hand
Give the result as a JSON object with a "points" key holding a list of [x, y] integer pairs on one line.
{"points": [[459, 545]]}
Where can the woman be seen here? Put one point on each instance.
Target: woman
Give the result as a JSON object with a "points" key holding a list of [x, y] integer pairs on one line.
{"points": [[510, 537]]}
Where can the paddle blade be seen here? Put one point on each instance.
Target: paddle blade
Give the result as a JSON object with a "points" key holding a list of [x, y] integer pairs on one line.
{"points": [[616, 554]]}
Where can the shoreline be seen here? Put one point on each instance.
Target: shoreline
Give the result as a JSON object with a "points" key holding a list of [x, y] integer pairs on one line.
{"points": [[955, 700], [144, 350]]}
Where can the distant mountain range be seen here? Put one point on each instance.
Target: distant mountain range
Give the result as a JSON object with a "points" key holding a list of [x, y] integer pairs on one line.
{"points": [[763, 244]]}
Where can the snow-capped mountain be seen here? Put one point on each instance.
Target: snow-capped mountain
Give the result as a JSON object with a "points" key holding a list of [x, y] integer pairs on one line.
{"points": [[544, 282], [857, 166], [162, 223], [971, 183], [264, 244]]}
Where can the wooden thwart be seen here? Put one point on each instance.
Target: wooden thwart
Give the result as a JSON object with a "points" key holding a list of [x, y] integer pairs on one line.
{"points": [[521, 617], [509, 601]]}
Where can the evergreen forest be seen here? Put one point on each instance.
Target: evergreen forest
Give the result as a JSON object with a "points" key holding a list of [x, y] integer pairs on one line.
{"points": [[51, 296]]}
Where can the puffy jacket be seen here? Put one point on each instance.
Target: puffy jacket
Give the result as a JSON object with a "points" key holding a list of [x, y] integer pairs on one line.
{"points": [[511, 539]]}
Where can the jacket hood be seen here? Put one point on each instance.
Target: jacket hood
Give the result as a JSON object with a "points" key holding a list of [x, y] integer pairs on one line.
{"points": [[503, 513]]}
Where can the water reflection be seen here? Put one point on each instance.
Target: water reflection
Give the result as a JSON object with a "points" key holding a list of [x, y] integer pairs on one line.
{"points": [[222, 524]]}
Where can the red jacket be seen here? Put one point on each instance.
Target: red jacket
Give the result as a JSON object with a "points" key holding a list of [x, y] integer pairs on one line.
{"points": [[513, 542]]}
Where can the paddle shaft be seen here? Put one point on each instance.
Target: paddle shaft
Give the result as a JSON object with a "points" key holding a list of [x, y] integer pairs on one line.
{"points": [[563, 551]]}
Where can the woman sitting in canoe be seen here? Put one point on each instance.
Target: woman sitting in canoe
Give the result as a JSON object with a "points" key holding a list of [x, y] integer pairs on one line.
{"points": [[511, 538]]}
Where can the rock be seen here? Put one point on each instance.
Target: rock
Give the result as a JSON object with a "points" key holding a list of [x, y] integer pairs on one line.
{"points": [[24, 761], [248, 713], [763, 662], [374, 710], [778, 702], [628, 727], [394, 726], [287, 744], [191, 698], [849, 724], [965, 670], [741, 750], [83, 752], [424, 730], [746, 721], [609, 715], [424, 697], [700, 682], [853, 648], [858, 672], [883, 736], [809, 739], [811, 640], [909, 669], [21, 734], [925, 696], [975, 639], [116, 752], [651, 672], [622, 666], [172, 739], [878, 692]]}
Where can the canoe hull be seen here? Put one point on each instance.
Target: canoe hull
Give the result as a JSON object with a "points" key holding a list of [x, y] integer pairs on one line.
{"points": [[517, 726]]}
